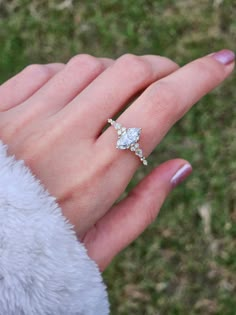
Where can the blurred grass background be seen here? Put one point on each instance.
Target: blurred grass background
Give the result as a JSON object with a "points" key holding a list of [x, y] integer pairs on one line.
{"points": [[185, 262]]}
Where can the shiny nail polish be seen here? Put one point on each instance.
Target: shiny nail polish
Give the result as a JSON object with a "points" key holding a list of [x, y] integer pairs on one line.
{"points": [[224, 56], [180, 175]]}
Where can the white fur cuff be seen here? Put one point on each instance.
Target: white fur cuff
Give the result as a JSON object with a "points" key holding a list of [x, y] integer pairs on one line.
{"points": [[44, 270]]}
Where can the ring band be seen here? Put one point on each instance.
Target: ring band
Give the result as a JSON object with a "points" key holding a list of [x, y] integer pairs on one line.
{"points": [[128, 139]]}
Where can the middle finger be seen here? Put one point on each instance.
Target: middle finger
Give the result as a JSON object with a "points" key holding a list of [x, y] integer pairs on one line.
{"points": [[112, 89]]}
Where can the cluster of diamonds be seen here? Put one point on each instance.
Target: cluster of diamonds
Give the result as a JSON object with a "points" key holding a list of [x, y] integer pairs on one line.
{"points": [[128, 139]]}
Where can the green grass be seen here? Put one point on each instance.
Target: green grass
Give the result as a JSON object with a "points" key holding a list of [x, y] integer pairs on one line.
{"points": [[180, 265]]}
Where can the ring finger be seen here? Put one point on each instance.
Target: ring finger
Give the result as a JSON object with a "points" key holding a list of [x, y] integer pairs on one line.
{"points": [[166, 101]]}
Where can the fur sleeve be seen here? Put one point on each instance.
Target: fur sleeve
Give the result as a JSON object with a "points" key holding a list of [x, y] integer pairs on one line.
{"points": [[44, 270]]}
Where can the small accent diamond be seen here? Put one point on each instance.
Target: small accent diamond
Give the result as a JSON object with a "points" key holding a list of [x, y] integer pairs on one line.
{"points": [[145, 162], [139, 152], [128, 139], [117, 126]]}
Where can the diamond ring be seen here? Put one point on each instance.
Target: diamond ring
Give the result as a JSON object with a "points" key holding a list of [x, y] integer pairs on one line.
{"points": [[128, 139]]}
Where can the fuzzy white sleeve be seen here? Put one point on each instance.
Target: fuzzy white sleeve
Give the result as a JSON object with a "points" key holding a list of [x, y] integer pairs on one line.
{"points": [[44, 269]]}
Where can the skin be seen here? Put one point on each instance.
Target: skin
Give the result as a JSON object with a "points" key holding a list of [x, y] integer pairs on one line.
{"points": [[52, 117]]}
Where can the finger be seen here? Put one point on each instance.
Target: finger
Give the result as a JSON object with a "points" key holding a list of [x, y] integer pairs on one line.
{"points": [[23, 85], [129, 218], [110, 91], [163, 103], [62, 88], [107, 61]]}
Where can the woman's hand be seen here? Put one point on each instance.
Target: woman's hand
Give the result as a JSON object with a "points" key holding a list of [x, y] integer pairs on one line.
{"points": [[52, 116]]}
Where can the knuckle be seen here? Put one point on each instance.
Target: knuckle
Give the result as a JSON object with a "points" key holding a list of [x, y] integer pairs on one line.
{"points": [[20, 138], [7, 128], [23, 147], [173, 64], [150, 214], [208, 70], [27, 150], [139, 67], [89, 62], [38, 71], [28, 153], [169, 62], [162, 97], [151, 208]]}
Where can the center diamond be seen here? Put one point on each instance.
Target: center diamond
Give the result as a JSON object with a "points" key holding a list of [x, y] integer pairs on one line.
{"points": [[131, 136]]}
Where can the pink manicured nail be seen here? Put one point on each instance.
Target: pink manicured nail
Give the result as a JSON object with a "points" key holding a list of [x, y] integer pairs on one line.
{"points": [[181, 174], [224, 56]]}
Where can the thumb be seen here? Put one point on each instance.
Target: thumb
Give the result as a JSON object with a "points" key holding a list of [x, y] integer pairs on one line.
{"points": [[128, 219]]}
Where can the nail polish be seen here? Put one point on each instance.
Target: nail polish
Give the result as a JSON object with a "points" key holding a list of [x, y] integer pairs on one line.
{"points": [[224, 56], [180, 175]]}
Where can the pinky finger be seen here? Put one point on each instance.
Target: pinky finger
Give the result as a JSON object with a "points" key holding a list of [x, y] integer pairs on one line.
{"points": [[19, 88], [129, 218]]}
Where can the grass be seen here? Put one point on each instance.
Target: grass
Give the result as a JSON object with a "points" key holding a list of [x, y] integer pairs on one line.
{"points": [[185, 262]]}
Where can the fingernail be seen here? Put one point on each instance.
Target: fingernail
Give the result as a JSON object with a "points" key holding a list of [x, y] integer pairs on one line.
{"points": [[224, 56], [181, 174]]}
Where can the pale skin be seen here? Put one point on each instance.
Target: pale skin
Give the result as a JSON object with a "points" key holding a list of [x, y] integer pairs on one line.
{"points": [[52, 117]]}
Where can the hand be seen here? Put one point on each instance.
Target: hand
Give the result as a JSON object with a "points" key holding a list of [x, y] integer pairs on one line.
{"points": [[52, 116]]}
